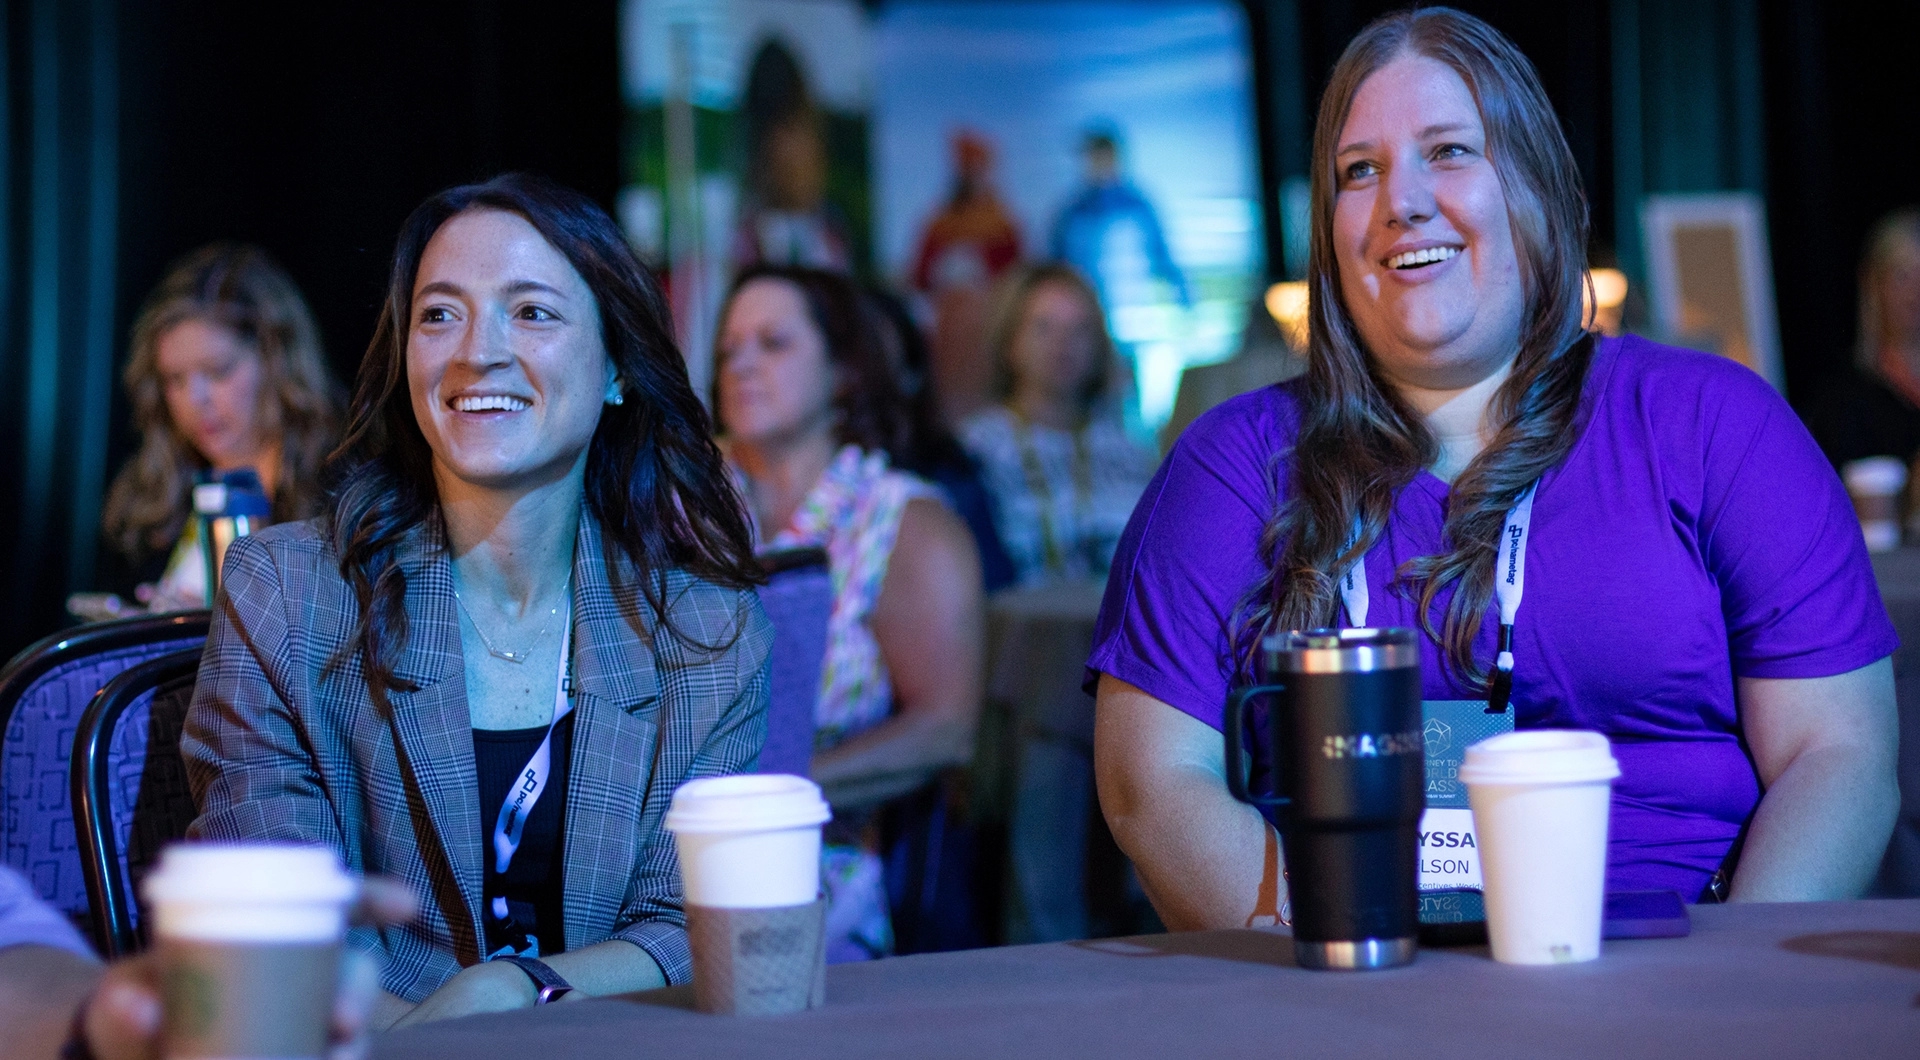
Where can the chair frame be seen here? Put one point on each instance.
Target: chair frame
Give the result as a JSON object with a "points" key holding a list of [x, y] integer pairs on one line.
{"points": [[108, 904], [42, 655]]}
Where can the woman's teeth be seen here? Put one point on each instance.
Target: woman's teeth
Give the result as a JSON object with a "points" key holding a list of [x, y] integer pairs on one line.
{"points": [[1413, 259], [491, 403]]}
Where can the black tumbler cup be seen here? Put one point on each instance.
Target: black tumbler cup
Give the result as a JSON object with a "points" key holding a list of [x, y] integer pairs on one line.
{"points": [[1344, 741]]}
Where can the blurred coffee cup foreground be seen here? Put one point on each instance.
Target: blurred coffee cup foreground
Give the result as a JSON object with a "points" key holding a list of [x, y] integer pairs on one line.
{"points": [[247, 938]]}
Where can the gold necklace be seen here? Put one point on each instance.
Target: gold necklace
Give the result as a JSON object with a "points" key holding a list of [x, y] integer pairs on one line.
{"points": [[516, 657]]}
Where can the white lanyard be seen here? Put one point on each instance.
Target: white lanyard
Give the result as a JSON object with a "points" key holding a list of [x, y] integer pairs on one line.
{"points": [[532, 781], [1509, 585]]}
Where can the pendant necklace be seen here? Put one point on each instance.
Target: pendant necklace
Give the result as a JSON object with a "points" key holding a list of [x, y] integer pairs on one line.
{"points": [[511, 656]]}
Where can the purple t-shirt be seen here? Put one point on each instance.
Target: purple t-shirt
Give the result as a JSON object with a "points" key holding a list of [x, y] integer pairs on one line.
{"points": [[1695, 534]]}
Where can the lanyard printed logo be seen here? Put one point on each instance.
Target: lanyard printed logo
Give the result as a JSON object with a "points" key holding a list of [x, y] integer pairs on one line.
{"points": [[511, 823], [1509, 587]]}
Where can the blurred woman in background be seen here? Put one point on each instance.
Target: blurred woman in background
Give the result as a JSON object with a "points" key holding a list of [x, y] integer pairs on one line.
{"points": [[1063, 473], [226, 373], [1875, 409], [808, 413]]}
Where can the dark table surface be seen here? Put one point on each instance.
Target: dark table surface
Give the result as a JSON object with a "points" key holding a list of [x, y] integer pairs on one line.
{"points": [[1832, 979]]}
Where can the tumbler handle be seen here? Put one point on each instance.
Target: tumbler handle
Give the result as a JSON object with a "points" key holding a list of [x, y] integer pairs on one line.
{"points": [[1236, 732]]}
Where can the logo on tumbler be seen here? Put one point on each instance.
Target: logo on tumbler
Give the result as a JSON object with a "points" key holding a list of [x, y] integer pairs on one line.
{"points": [[1439, 736], [1372, 745]]}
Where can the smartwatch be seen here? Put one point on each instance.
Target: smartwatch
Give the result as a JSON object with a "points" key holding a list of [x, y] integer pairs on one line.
{"points": [[546, 981]]}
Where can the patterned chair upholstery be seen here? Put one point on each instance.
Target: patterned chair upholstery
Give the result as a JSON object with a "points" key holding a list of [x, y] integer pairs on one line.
{"points": [[130, 790], [798, 597], [43, 692]]}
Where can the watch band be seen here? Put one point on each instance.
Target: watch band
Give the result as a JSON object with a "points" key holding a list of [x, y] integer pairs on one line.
{"points": [[548, 983]]}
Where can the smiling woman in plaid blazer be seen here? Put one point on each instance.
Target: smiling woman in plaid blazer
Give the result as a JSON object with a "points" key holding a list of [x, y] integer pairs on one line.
{"points": [[527, 619]]}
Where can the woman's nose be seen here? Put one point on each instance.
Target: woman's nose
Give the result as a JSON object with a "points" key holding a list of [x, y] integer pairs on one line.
{"points": [[487, 344], [1409, 195]]}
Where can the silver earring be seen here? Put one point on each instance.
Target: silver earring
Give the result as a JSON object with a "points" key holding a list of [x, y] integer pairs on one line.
{"points": [[616, 396]]}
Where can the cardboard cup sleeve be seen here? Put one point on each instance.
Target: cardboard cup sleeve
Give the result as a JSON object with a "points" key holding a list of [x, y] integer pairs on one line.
{"points": [[759, 962]]}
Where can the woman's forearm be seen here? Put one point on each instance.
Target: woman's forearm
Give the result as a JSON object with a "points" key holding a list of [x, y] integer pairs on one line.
{"points": [[1820, 831], [894, 757], [611, 967], [1205, 859]]}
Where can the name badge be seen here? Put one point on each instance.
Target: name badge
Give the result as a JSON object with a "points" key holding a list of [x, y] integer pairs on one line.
{"points": [[1449, 851]]}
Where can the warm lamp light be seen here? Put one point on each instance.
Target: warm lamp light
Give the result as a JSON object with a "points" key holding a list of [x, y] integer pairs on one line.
{"points": [[1602, 297], [1287, 303]]}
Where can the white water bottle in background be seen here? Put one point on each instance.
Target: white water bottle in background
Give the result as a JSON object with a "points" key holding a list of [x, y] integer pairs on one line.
{"points": [[232, 506], [1876, 485]]}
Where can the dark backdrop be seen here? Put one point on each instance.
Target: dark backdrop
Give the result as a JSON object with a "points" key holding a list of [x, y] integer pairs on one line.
{"points": [[312, 129]]}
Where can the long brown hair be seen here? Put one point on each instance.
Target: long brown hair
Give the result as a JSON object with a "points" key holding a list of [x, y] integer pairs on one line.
{"points": [[1884, 240], [1010, 313], [1359, 444], [654, 480], [240, 288]]}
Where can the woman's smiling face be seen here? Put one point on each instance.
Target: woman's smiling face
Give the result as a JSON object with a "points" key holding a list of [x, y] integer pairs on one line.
{"points": [[1425, 249], [505, 359]]}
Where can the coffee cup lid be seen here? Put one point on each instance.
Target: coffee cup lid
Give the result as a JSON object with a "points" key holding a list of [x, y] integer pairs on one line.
{"points": [[1540, 756], [250, 874], [755, 802]]}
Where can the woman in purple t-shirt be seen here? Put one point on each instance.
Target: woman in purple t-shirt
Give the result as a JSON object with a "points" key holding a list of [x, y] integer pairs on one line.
{"points": [[1697, 587]]}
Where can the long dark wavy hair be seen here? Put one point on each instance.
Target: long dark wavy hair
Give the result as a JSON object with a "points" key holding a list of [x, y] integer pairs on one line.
{"points": [[654, 477], [869, 410], [240, 288], [1359, 444]]}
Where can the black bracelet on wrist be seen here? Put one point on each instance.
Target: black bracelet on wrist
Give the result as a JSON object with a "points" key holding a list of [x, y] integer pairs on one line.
{"points": [[548, 984]]}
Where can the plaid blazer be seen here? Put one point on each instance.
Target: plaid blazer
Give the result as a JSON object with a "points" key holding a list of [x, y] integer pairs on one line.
{"points": [[279, 746]]}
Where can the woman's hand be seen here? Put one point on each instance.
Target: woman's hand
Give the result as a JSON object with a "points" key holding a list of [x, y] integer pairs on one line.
{"points": [[931, 625], [1205, 859], [491, 986], [1825, 749]]}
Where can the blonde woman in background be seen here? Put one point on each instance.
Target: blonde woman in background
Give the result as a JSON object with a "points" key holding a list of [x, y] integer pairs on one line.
{"points": [[225, 372], [1875, 409], [1063, 473]]}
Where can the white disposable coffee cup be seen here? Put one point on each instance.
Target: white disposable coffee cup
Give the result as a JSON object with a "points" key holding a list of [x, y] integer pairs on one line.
{"points": [[1875, 485], [247, 941], [749, 841], [250, 892], [1540, 800]]}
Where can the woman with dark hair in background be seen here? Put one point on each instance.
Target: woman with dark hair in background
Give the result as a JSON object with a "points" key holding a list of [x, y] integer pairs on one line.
{"points": [[809, 413], [929, 449], [534, 563], [1063, 473], [1696, 586], [226, 372], [1875, 410]]}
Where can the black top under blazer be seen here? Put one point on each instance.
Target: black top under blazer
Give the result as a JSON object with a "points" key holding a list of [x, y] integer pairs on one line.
{"points": [[280, 747]]}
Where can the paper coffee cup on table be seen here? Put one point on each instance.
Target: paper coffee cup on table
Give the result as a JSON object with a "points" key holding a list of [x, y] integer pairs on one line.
{"points": [[1540, 800], [1875, 484], [749, 851], [247, 938]]}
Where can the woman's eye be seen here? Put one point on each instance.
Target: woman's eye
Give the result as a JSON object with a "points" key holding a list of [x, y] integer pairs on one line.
{"points": [[1361, 170], [435, 314], [1450, 151], [536, 312]]}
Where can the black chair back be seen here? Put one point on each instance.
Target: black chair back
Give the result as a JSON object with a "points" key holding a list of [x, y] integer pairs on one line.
{"points": [[127, 779], [42, 694]]}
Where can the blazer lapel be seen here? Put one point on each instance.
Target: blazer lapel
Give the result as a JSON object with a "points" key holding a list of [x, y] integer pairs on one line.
{"points": [[434, 730], [615, 729]]}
